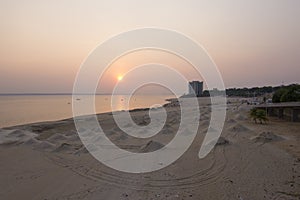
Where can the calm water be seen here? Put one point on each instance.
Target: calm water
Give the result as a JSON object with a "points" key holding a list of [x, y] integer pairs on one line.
{"points": [[23, 109]]}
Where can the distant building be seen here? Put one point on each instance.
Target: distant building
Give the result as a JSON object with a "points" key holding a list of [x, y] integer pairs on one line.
{"points": [[196, 88]]}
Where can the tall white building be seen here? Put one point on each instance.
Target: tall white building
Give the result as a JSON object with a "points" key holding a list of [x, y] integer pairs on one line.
{"points": [[196, 88]]}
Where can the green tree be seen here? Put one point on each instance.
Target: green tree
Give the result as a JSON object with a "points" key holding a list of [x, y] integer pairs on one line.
{"points": [[287, 94], [277, 95], [291, 94]]}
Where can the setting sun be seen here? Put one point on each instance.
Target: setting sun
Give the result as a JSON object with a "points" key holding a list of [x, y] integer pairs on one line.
{"points": [[120, 78]]}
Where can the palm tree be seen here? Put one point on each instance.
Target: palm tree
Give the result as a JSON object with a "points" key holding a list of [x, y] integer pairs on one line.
{"points": [[258, 114], [261, 116], [253, 114]]}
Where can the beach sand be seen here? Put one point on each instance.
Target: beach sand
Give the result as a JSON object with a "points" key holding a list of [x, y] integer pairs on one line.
{"points": [[250, 161]]}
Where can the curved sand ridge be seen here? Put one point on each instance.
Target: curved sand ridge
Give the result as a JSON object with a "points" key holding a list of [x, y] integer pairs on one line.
{"points": [[168, 178], [59, 144], [193, 177]]}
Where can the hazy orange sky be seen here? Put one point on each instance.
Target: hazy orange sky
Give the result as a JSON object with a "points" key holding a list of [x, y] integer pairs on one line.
{"points": [[43, 43]]}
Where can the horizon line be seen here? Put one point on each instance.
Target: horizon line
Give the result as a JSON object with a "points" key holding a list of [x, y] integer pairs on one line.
{"points": [[68, 93]]}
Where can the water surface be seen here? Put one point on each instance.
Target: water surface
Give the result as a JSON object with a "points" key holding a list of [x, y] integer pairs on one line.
{"points": [[23, 109]]}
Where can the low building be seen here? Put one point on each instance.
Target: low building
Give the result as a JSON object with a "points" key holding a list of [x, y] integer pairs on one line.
{"points": [[287, 110]]}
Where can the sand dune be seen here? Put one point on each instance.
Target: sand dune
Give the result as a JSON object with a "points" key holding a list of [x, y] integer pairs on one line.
{"points": [[15, 136], [44, 146], [267, 137], [241, 117], [230, 121], [238, 128], [57, 137], [151, 146], [222, 141]]}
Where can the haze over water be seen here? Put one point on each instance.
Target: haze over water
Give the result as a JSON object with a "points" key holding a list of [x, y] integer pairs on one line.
{"points": [[23, 109]]}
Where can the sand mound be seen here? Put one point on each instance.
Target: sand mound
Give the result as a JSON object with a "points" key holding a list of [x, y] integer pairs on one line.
{"points": [[222, 141], [204, 117], [109, 132], [31, 142], [74, 138], [39, 128], [97, 138], [231, 121], [142, 122], [64, 147], [151, 146], [57, 138], [82, 150], [238, 128], [166, 131], [265, 137], [240, 117], [243, 108], [71, 133], [204, 123], [128, 125], [123, 136], [17, 133], [44, 146], [14, 136]]}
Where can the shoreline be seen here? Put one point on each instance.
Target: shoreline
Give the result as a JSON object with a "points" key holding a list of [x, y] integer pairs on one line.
{"points": [[19, 110], [71, 118]]}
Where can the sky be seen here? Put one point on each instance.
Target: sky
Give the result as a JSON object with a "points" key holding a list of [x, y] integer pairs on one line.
{"points": [[43, 43]]}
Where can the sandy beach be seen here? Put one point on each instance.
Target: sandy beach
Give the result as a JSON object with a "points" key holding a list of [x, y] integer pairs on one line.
{"points": [[250, 161], [150, 100]]}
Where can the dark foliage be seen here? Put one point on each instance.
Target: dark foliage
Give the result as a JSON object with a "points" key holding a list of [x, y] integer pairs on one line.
{"points": [[287, 94], [281, 93]]}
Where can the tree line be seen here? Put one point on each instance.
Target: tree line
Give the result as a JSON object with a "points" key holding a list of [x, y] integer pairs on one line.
{"points": [[287, 94], [280, 93]]}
